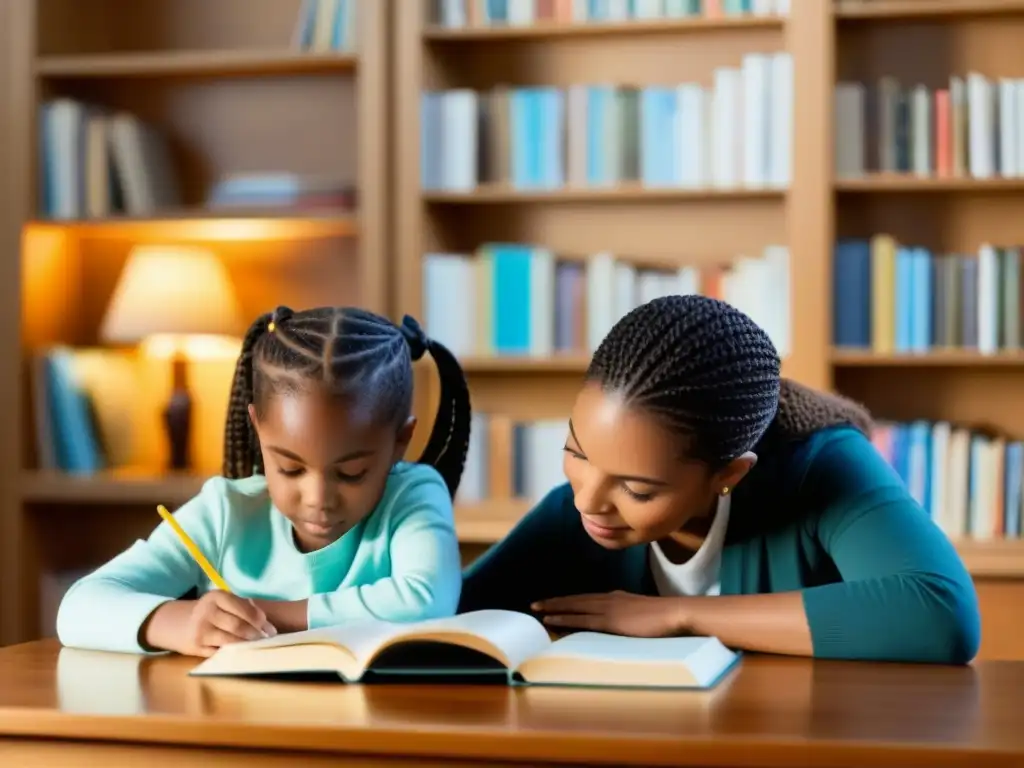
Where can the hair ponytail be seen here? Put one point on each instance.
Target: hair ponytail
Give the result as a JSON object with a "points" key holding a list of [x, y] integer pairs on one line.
{"points": [[448, 443]]}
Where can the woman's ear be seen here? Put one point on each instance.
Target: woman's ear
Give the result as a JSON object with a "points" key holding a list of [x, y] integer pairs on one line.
{"points": [[727, 478]]}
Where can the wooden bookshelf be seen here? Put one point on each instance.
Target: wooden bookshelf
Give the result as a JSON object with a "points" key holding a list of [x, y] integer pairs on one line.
{"points": [[233, 94], [951, 214]]}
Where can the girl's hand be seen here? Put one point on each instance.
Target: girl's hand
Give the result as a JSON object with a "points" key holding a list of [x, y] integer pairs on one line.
{"points": [[618, 613], [200, 627]]}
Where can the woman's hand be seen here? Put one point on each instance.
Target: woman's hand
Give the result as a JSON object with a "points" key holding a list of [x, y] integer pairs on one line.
{"points": [[619, 613]]}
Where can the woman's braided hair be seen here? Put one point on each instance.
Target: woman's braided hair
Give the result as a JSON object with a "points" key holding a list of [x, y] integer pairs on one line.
{"points": [[354, 352], [712, 374]]}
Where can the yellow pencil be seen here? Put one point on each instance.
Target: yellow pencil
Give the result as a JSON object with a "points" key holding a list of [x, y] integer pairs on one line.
{"points": [[208, 569]]}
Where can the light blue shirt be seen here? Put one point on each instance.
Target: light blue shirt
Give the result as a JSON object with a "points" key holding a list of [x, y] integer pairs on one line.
{"points": [[401, 563]]}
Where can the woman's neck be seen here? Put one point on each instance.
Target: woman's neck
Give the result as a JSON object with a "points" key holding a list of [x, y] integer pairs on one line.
{"points": [[683, 544]]}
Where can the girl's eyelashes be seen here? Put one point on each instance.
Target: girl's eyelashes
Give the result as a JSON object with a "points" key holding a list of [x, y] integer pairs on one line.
{"points": [[347, 478], [341, 477]]}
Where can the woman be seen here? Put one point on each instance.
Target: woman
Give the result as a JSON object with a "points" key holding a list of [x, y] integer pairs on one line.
{"points": [[708, 497]]}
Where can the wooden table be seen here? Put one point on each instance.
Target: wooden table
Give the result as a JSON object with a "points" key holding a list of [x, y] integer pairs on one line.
{"points": [[74, 708]]}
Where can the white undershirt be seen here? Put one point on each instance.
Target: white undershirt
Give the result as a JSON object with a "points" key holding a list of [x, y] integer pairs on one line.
{"points": [[700, 574]]}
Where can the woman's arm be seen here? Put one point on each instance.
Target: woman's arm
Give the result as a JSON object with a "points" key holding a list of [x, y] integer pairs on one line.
{"points": [[904, 595], [107, 609]]}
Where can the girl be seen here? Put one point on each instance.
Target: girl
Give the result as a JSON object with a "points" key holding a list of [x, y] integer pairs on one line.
{"points": [[317, 520], [708, 497]]}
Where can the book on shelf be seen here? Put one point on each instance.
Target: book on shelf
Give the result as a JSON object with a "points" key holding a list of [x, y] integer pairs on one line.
{"points": [[512, 458], [95, 162], [324, 26], [893, 297], [972, 128], [505, 645], [523, 300], [968, 482], [733, 134], [474, 13], [282, 191]]}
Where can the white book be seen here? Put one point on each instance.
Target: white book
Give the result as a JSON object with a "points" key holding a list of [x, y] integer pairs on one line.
{"points": [[452, 323], [938, 474], [576, 131], [988, 290], [648, 9], [1018, 111], [473, 487], [781, 128], [453, 14], [625, 289], [1009, 129], [520, 13], [542, 303], [600, 298], [756, 74], [691, 123], [459, 140], [618, 10], [726, 106], [980, 118], [513, 646]]}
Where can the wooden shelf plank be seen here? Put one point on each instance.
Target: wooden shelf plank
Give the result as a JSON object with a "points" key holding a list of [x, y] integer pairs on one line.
{"points": [[910, 183], [573, 364], [896, 10], [601, 29], [625, 193], [995, 558], [215, 63], [853, 358], [215, 225], [128, 486], [481, 523]]}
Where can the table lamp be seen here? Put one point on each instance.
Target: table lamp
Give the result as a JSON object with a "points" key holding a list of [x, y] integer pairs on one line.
{"points": [[174, 294]]}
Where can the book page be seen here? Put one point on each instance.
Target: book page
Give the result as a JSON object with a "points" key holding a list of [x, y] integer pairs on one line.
{"points": [[515, 636], [360, 639], [598, 646]]}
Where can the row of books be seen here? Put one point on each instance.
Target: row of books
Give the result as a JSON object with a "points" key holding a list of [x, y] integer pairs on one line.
{"points": [[512, 459], [891, 297], [969, 482], [326, 25], [521, 300], [972, 127], [737, 133], [95, 162], [474, 13]]}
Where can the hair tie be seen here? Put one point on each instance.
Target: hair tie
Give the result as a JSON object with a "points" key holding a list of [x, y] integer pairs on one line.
{"points": [[415, 337], [278, 316]]}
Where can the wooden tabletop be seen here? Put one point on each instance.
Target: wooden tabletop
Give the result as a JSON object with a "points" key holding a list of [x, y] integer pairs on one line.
{"points": [[770, 712]]}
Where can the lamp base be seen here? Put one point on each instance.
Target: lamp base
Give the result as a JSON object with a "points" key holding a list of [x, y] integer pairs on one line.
{"points": [[178, 422]]}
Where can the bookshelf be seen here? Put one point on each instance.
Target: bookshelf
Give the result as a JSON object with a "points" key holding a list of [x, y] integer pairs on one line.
{"points": [[828, 43], [231, 90], [946, 188]]}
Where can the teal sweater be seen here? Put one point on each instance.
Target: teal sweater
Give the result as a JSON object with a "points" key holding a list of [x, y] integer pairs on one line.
{"points": [[826, 515], [400, 563]]}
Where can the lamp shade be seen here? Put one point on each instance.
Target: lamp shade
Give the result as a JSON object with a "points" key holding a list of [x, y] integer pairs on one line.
{"points": [[171, 290]]}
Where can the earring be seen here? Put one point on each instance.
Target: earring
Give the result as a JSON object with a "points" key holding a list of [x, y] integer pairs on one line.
{"points": [[725, 491]]}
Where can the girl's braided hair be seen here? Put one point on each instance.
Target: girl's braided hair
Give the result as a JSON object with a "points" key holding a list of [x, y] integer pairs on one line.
{"points": [[713, 375], [355, 353]]}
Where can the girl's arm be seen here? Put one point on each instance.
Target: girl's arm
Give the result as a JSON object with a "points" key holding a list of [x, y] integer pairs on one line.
{"points": [[425, 577], [107, 609]]}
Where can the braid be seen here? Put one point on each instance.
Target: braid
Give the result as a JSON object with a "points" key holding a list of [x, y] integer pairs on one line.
{"points": [[357, 354], [701, 365], [241, 457]]}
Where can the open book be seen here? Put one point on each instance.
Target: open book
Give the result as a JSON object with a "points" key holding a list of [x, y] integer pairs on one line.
{"points": [[513, 647]]}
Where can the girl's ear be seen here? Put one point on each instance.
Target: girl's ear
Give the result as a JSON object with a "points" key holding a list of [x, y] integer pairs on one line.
{"points": [[404, 437], [252, 418]]}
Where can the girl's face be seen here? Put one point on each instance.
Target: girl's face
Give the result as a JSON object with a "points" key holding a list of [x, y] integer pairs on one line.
{"points": [[629, 482], [326, 461]]}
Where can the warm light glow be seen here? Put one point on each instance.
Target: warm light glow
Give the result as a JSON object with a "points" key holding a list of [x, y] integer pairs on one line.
{"points": [[206, 347], [169, 292]]}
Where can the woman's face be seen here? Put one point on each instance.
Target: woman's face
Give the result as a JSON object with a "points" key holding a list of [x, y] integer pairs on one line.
{"points": [[629, 480]]}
